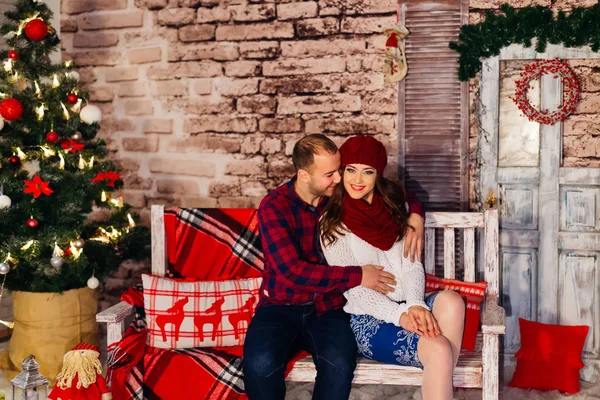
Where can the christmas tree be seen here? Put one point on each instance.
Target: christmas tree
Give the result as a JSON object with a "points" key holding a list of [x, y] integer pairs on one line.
{"points": [[53, 170]]}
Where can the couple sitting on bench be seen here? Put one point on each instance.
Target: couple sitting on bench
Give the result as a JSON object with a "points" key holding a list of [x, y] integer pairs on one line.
{"points": [[339, 280]]}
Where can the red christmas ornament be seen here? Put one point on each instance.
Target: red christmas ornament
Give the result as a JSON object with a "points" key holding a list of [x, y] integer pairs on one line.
{"points": [[32, 223], [13, 55], [52, 137], [72, 98], [14, 161], [36, 29], [11, 109], [571, 90]]}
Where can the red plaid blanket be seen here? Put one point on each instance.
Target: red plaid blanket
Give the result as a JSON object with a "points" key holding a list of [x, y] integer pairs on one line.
{"points": [[201, 244]]}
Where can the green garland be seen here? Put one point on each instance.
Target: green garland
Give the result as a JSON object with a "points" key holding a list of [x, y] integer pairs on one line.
{"points": [[580, 27]]}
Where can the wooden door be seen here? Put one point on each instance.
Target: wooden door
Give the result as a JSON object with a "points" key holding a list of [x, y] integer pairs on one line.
{"points": [[549, 215]]}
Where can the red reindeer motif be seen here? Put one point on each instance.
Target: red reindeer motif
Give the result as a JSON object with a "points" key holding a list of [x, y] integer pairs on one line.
{"points": [[244, 314], [175, 317], [212, 315]]}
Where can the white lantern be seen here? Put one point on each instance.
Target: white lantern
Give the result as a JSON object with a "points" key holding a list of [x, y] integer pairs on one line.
{"points": [[90, 114], [29, 384]]}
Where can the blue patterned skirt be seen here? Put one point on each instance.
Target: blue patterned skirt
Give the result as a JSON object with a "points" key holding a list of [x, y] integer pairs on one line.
{"points": [[385, 342]]}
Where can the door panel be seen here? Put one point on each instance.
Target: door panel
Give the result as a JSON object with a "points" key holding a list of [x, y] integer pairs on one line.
{"points": [[519, 266], [578, 297]]}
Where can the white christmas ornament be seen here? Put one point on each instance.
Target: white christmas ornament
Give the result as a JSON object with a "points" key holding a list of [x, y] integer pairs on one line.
{"points": [[93, 282], [4, 268], [74, 75], [90, 114], [57, 261], [5, 202], [1, 124]]}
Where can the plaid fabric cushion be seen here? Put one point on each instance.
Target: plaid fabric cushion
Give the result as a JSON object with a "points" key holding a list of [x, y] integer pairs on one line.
{"points": [[225, 239], [473, 293], [198, 314]]}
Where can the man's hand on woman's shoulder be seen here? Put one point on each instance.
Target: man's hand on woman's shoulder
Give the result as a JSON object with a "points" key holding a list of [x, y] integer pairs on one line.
{"points": [[414, 238]]}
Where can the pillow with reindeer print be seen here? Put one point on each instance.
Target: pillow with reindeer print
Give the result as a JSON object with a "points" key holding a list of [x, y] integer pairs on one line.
{"points": [[182, 314]]}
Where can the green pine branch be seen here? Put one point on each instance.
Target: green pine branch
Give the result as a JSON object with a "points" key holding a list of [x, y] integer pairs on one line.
{"points": [[485, 39]]}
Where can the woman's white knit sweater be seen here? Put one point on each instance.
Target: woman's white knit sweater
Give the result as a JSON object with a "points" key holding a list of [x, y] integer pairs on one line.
{"points": [[351, 250]]}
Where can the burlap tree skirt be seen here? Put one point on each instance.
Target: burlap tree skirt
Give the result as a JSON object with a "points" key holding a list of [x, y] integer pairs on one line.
{"points": [[48, 325]]}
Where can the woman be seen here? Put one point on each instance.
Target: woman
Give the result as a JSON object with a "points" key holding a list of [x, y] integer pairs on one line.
{"points": [[364, 223]]}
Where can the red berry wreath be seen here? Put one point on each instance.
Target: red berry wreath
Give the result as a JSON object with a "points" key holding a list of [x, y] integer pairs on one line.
{"points": [[571, 90]]}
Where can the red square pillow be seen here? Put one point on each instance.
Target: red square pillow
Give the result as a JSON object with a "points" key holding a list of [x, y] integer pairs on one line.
{"points": [[549, 357], [473, 293], [183, 314]]}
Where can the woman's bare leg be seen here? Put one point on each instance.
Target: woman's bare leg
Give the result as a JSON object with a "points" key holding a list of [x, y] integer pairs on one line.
{"points": [[449, 311], [438, 364], [440, 354]]}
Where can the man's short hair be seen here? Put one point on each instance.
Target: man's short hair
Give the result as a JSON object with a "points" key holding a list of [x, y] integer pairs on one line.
{"points": [[306, 148]]}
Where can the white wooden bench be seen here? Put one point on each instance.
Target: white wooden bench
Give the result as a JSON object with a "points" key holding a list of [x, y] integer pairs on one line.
{"points": [[478, 369]]}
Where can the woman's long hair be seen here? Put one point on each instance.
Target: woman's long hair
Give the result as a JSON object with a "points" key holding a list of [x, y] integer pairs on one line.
{"points": [[390, 191]]}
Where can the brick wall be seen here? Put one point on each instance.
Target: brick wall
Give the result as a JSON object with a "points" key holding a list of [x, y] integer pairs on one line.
{"points": [[203, 100]]}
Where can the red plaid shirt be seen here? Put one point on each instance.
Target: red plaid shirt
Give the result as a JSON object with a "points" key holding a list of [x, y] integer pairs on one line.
{"points": [[296, 271]]}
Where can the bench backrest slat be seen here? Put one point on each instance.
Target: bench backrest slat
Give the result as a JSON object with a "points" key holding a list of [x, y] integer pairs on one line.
{"points": [[449, 221], [468, 222]]}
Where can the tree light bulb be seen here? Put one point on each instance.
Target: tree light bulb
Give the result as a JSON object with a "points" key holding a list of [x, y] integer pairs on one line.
{"points": [[40, 112], [27, 245], [48, 152], [75, 251], [20, 154], [65, 111], [57, 251], [131, 221], [81, 162]]}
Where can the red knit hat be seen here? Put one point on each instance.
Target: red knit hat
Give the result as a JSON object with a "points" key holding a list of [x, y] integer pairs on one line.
{"points": [[86, 346], [365, 150]]}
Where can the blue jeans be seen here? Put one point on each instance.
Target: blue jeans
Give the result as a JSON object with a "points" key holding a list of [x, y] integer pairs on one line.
{"points": [[277, 332]]}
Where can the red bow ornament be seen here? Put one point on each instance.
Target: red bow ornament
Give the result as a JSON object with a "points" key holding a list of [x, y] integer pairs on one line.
{"points": [[111, 176]]}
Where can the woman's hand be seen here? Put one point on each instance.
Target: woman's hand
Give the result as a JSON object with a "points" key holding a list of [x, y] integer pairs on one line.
{"points": [[406, 324], [414, 237], [423, 321]]}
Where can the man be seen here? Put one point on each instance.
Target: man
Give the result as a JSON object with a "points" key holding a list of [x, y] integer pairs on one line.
{"points": [[301, 297]]}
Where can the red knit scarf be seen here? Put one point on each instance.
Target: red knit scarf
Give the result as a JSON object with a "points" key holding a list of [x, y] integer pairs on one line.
{"points": [[372, 223]]}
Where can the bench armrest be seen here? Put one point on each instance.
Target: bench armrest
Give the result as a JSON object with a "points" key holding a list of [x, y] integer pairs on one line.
{"points": [[116, 313], [494, 318], [114, 317]]}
